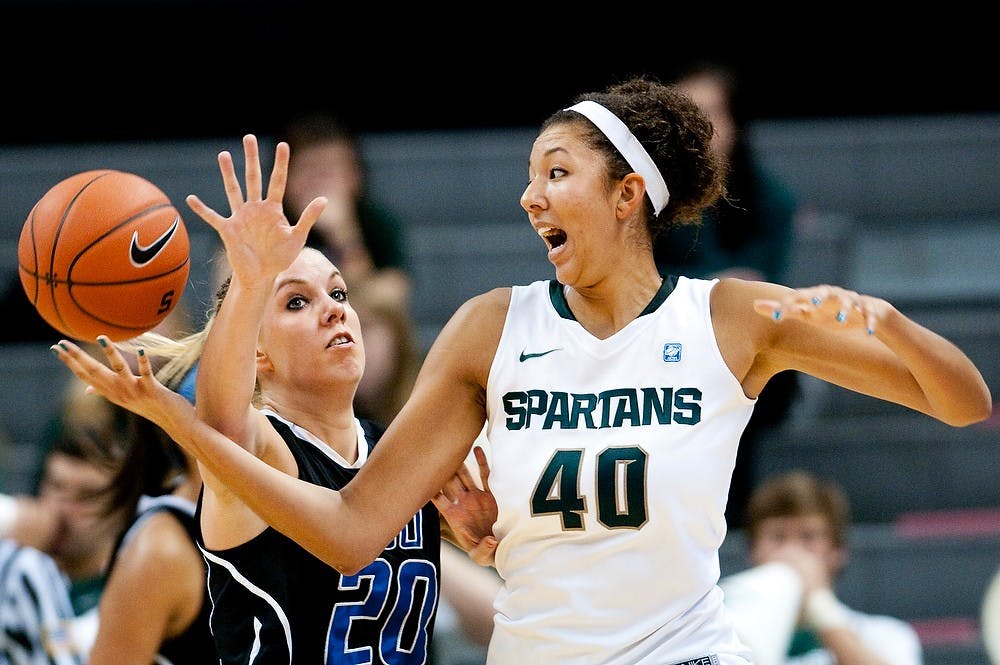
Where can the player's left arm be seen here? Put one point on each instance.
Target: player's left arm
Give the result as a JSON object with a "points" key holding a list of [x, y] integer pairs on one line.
{"points": [[856, 341]]}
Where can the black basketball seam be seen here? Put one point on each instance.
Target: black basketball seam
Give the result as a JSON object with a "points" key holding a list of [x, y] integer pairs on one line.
{"points": [[113, 324], [50, 281], [34, 256], [137, 280]]}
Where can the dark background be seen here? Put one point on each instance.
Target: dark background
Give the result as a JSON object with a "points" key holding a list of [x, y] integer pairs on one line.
{"points": [[140, 69]]}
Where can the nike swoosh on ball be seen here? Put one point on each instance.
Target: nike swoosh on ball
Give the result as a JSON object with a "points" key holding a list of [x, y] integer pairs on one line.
{"points": [[142, 255]]}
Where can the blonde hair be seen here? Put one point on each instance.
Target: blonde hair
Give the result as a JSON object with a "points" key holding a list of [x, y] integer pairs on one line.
{"points": [[180, 355]]}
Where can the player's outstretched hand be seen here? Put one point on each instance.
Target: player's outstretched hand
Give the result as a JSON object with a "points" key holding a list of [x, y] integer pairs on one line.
{"points": [[142, 394], [259, 240], [470, 511], [829, 307]]}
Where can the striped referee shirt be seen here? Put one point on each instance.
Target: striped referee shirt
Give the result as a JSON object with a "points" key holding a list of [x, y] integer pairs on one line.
{"points": [[35, 609]]}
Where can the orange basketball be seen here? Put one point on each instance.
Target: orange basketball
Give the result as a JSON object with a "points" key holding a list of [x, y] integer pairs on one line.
{"points": [[104, 252]]}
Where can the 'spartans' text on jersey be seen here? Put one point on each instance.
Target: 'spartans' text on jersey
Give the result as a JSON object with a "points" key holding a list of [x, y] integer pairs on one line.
{"points": [[637, 407]]}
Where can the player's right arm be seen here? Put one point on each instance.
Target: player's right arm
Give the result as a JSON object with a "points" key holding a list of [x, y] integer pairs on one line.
{"points": [[259, 244], [415, 458]]}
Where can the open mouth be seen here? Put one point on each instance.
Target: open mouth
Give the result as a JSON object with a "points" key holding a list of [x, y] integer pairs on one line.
{"points": [[340, 340], [553, 237]]}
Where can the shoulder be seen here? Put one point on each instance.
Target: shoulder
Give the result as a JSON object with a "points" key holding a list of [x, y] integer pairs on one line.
{"points": [[161, 549], [733, 299], [160, 543], [493, 300], [465, 347], [741, 333], [484, 313]]}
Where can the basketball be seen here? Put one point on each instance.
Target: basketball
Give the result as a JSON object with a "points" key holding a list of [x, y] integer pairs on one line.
{"points": [[104, 252]]}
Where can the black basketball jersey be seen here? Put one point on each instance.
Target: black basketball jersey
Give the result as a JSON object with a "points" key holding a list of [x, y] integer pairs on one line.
{"points": [[276, 603], [195, 645]]}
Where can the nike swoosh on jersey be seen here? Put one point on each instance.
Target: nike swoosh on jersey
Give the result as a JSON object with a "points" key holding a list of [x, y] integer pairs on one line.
{"points": [[529, 356], [142, 255]]}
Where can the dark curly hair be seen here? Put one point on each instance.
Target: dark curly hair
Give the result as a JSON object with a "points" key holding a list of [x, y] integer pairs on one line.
{"points": [[674, 132]]}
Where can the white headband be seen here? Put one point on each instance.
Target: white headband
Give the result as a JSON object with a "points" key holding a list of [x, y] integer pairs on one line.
{"points": [[630, 148]]}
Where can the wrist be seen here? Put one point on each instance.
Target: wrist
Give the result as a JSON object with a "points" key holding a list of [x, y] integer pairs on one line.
{"points": [[822, 610]]}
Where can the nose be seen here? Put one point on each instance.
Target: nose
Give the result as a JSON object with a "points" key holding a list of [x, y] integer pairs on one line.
{"points": [[531, 198], [333, 310]]}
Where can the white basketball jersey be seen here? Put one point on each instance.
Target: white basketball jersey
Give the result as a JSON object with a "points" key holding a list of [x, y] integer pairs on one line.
{"points": [[611, 463]]}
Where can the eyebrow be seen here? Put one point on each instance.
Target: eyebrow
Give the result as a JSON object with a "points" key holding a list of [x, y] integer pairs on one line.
{"points": [[297, 280], [291, 280], [548, 152]]}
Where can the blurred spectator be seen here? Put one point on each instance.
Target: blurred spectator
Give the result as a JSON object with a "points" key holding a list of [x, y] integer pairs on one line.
{"points": [[360, 236], [367, 243], [392, 358], [76, 489], [77, 479], [785, 606], [747, 234]]}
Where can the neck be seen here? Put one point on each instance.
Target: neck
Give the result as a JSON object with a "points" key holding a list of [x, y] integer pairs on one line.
{"points": [[605, 308], [335, 429]]}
